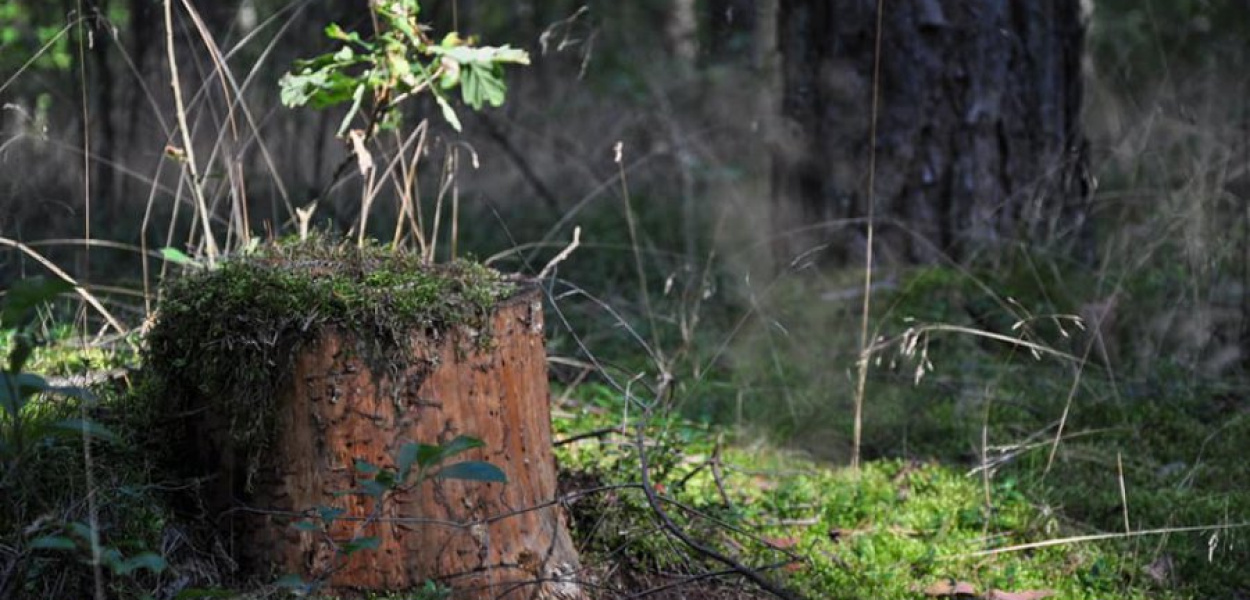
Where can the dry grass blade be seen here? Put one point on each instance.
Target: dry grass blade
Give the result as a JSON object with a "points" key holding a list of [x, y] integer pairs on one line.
{"points": [[564, 254], [1080, 539], [78, 289], [188, 144]]}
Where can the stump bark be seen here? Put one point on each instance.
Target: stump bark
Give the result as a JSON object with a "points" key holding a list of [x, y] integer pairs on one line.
{"points": [[484, 540]]}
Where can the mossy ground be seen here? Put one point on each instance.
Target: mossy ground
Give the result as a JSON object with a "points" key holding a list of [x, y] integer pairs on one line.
{"points": [[891, 530]]}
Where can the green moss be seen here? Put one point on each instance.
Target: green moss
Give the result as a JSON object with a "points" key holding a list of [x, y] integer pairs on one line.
{"points": [[888, 531], [225, 337]]}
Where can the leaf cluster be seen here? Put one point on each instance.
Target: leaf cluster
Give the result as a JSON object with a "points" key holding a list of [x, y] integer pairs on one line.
{"points": [[381, 484], [401, 61]]}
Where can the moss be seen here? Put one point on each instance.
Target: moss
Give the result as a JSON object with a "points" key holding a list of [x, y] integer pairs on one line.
{"points": [[225, 337]]}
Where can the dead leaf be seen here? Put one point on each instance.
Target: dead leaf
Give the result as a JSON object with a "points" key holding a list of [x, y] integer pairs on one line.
{"points": [[794, 567], [1025, 595], [764, 484], [784, 543], [364, 160], [950, 587], [1161, 569]]}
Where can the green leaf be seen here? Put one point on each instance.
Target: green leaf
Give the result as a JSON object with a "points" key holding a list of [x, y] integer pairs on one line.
{"points": [[299, 89], [111, 557], [429, 456], [357, 97], [461, 444], [329, 514], [291, 581], [336, 32], [16, 389], [449, 113], [53, 542], [79, 529], [372, 488], [473, 470], [338, 88], [482, 84], [367, 543], [25, 295], [365, 467], [178, 257], [484, 56], [78, 426], [406, 458], [306, 526], [147, 561]]}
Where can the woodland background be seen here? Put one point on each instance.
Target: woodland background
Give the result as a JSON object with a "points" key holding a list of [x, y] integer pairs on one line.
{"points": [[1034, 164]]}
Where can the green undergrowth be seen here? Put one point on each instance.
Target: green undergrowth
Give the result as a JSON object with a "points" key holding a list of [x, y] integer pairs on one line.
{"points": [[224, 336], [48, 497], [1150, 411], [892, 530]]}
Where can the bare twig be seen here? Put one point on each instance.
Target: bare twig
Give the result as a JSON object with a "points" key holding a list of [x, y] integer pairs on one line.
{"points": [[693, 579], [78, 289], [652, 499], [564, 254], [597, 433]]}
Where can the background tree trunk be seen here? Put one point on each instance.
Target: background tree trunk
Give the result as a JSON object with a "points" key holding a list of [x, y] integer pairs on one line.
{"points": [[682, 30], [979, 138], [485, 540]]}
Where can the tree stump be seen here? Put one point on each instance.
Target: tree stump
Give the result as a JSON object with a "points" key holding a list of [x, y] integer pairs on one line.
{"points": [[339, 404]]}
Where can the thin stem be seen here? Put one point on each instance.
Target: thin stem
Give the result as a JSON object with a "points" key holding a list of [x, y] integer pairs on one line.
{"points": [[201, 207], [862, 365]]}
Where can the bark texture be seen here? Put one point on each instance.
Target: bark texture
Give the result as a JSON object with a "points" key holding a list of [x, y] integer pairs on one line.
{"points": [[485, 540], [979, 136]]}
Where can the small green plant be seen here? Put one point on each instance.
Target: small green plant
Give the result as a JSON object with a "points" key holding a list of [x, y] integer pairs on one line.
{"points": [[28, 432], [414, 465], [76, 538], [18, 433], [399, 63]]}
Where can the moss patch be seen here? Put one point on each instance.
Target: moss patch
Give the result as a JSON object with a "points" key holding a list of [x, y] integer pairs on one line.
{"points": [[889, 531], [225, 337]]}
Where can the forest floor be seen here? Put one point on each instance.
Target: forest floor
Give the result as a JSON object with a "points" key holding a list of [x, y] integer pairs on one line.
{"points": [[1152, 508], [906, 528]]}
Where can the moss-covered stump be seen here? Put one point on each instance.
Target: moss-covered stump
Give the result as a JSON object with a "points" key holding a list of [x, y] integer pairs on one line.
{"points": [[296, 386]]}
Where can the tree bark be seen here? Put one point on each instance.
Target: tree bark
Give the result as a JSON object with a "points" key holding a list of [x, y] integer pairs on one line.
{"points": [[485, 540], [730, 26], [979, 143], [682, 30]]}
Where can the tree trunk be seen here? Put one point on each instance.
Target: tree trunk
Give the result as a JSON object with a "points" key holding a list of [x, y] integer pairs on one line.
{"points": [[485, 540], [978, 133], [730, 27], [682, 31]]}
